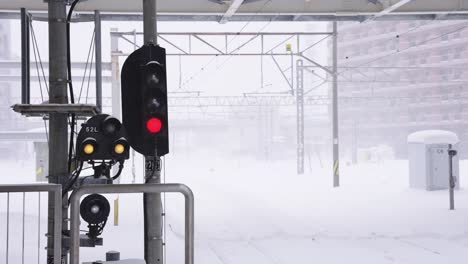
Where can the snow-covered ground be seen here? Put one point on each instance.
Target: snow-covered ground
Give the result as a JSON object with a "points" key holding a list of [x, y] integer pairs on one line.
{"points": [[255, 212]]}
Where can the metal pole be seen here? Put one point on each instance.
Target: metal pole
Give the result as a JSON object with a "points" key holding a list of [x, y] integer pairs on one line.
{"points": [[152, 203], [292, 72], [150, 30], [38, 228], [452, 184], [153, 213], [25, 74], [97, 42], [262, 45], [115, 82], [300, 115], [58, 125], [22, 233], [336, 153], [7, 228], [116, 95], [58, 214]]}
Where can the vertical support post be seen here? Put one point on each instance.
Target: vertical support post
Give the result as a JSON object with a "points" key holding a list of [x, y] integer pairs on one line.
{"points": [[300, 115], [116, 92], [58, 125], [292, 72], [57, 226], [226, 44], [25, 58], [23, 225], [153, 213], [134, 40], [335, 138], [97, 42], [38, 227], [150, 30], [262, 44], [7, 249], [152, 203], [452, 181]]}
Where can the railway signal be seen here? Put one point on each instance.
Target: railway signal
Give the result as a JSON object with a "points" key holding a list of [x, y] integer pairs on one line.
{"points": [[102, 137], [144, 100], [95, 209]]}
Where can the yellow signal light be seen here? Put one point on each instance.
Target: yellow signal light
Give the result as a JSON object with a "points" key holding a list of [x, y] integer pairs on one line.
{"points": [[119, 148], [88, 149]]}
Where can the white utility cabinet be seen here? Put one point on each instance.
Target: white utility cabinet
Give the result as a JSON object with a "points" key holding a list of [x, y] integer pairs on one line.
{"points": [[429, 159]]}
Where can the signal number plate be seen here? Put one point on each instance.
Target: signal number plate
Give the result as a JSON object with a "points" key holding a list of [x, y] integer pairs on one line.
{"points": [[91, 130]]}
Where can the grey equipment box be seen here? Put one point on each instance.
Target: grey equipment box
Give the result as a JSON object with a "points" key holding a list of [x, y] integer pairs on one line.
{"points": [[429, 159]]}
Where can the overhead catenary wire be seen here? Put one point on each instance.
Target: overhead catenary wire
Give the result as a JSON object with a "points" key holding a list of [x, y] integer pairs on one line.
{"points": [[37, 70], [37, 56], [315, 44], [276, 46], [36, 49], [202, 69], [398, 36], [89, 76], [219, 67], [90, 56], [398, 52], [465, 25]]}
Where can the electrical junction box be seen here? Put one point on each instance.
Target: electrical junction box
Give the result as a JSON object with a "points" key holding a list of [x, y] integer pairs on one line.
{"points": [[429, 159]]}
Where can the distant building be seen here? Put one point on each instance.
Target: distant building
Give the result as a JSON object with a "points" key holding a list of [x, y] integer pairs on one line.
{"points": [[9, 120], [6, 114], [398, 77]]}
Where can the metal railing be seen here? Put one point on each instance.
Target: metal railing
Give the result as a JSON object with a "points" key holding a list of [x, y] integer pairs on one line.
{"points": [[131, 188], [56, 192]]}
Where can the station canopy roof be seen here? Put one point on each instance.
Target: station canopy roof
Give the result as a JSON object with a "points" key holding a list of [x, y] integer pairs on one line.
{"points": [[269, 9]]}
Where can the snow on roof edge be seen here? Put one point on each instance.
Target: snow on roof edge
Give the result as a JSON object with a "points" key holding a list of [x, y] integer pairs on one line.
{"points": [[433, 137]]}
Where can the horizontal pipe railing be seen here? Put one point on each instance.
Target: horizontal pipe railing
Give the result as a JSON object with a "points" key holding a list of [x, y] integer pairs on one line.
{"points": [[56, 191], [132, 188]]}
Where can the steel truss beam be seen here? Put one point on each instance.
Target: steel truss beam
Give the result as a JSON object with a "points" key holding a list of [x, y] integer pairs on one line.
{"points": [[287, 100], [221, 43], [10, 64]]}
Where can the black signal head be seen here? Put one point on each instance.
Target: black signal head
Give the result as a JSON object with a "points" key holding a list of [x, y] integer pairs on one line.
{"points": [[102, 137]]}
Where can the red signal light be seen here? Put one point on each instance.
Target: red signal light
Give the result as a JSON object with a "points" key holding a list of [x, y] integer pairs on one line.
{"points": [[153, 125]]}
